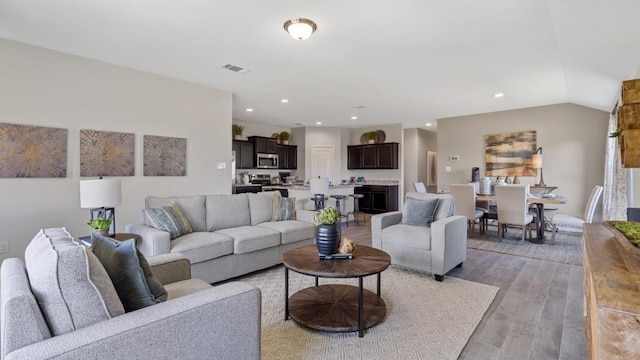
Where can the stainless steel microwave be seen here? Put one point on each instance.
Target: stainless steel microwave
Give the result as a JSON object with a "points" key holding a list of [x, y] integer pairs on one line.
{"points": [[267, 161]]}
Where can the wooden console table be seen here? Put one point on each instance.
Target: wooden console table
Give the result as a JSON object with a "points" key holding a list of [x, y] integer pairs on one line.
{"points": [[612, 291]]}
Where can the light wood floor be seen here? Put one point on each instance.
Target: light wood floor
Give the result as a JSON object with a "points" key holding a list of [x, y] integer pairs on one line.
{"points": [[537, 314]]}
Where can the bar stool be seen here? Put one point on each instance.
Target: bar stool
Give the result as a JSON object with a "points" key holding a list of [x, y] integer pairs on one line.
{"points": [[338, 198], [318, 201], [356, 208]]}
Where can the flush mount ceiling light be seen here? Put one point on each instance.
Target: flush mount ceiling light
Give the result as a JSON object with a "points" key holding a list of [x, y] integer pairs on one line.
{"points": [[300, 28]]}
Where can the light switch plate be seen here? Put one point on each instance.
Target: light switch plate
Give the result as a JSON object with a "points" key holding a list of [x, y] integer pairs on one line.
{"points": [[222, 166], [4, 247], [447, 168]]}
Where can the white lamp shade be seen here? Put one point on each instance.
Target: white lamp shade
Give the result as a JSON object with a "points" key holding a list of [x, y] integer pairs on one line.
{"points": [[536, 161], [319, 186], [100, 193]]}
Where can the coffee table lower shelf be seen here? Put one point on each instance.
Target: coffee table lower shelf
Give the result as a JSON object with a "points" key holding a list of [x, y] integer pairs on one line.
{"points": [[334, 308]]}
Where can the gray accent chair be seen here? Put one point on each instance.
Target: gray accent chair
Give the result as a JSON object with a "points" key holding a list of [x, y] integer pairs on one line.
{"points": [[436, 249], [198, 321]]}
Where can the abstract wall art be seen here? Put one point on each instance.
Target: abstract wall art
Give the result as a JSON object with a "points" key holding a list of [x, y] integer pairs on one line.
{"points": [[32, 151], [509, 154], [165, 156], [106, 153]]}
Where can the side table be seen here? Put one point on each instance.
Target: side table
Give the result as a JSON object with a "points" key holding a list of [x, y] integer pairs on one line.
{"points": [[118, 236]]}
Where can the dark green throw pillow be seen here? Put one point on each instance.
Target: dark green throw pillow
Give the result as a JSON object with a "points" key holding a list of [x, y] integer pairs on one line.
{"points": [[129, 271], [419, 212]]}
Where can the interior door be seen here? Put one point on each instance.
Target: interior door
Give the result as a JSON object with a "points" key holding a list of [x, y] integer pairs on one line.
{"points": [[322, 161]]}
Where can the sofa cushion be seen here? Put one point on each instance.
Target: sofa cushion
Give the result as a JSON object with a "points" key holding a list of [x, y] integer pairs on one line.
{"points": [[291, 230], [251, 238], [129, 271], [446, 207], [71, 285], [419, 212], [407, 236], [202, 246], [284, 208], [191, 206], [261, 206], [227, 211], [168, 218]]}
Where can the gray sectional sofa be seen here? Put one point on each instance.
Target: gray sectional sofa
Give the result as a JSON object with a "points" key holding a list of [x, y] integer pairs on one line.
{"points": [[59, 303], [232, 234]]}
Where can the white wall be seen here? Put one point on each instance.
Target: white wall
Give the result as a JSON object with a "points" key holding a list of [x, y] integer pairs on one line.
{"points": [[572, 138], [47, 88]]}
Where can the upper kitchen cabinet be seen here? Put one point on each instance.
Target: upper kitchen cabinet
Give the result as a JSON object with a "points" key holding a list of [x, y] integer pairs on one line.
{"points": [[264, 145], [244, 154], [288, 156], [373, 156]]}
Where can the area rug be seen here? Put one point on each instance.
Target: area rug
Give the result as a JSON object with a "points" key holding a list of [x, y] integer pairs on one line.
{"points": [[567, 249], [425, 319]]}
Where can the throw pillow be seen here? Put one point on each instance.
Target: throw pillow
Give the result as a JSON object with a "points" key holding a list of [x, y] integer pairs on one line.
{"points": [[284, 208], [72, 288], [170, 219], [129, 271], [419, 212]]}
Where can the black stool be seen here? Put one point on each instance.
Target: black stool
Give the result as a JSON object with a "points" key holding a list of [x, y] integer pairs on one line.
{"points": [[356, 208], [338, 198]]}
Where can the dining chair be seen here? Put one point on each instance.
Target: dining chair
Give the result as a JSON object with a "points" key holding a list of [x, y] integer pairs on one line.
{"points": [[513, 208], [464, 198], [419, 186], [566, 220]]}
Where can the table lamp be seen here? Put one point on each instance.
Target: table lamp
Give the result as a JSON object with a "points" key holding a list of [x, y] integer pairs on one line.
{"points": [[319, 188], [536, 163], [100, 196]]}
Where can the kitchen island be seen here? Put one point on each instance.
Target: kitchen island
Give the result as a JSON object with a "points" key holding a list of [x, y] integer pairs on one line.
{"points": [[304, 197]]}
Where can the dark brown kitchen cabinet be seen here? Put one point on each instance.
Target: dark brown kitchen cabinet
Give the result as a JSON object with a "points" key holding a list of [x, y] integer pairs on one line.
{"points": [[244, 154], [373, 156], [264, 145], [287, 156], [378, 198]]}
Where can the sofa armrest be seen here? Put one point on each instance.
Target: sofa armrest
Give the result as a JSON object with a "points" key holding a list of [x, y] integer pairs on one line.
{"points": [[170, 268], [305, 215], [448, 243], [381, 221], [154, 241], [222, 322]]}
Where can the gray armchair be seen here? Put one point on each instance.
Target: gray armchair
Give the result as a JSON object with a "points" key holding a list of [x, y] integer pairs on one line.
{"points": [[198, 321], [436, 249]]}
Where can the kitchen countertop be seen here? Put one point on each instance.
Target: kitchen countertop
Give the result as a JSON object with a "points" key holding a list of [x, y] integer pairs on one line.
{"points": [[303, 187]]}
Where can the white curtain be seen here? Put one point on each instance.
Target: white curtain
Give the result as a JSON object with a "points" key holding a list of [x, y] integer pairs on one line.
{"points": [[615, 201]]}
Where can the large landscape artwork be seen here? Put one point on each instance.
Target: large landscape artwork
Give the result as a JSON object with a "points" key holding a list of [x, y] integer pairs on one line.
{"points": [[32, 151], [509, 154]]}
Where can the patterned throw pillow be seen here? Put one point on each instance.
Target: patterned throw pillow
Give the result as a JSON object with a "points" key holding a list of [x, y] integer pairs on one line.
{"points": [[170, 219], [419, 212], [284, 208]]}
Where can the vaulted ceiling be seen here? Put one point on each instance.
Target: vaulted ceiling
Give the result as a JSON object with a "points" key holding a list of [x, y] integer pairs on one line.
{"points": [[404, 61]]}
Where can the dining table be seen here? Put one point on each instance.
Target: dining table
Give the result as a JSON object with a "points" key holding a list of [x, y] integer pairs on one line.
{"points": [[539, 202]]}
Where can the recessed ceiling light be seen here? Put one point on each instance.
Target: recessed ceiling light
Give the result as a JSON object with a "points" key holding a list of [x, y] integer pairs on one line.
{"points": [[249, 109], [284, 100], [498, 95], [427, 124], [318, 122], [354, 118]]}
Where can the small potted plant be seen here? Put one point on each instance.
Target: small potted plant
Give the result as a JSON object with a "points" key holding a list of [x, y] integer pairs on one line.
{"points": [[372, 136], [284, 137], [237, 131], [100, 225], [327, 230]]}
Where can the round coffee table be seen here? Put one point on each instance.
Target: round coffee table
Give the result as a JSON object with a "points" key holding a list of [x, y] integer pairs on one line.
{"points": [[335, 307]]}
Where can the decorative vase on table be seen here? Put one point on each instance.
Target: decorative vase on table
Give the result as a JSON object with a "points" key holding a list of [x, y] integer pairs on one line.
{"points": [[103, 232], [327, 238]]}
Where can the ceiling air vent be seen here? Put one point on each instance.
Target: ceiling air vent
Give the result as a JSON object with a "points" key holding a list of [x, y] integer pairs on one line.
{"points": [[235, 68]]}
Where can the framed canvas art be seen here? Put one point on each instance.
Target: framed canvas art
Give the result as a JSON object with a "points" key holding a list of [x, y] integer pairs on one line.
{"points": [[32, 151], [165, 156], [106, 153], [509, 154]]}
